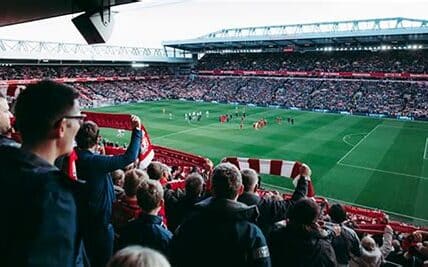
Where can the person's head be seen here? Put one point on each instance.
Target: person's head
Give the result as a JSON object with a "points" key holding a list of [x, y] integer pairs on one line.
{"points": [[157, 170], [118, 177], [226, 181], [194, 185], [368, 243], [87, 136], [337, 213], [136, 256], [48, 111], [133, 179], [5, 116], [304, 213], [250, 180], [396, 245], [150, 195]]}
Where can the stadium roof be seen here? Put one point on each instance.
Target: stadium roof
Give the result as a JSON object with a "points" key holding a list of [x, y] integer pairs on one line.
{"points": [[19, 11], [352, 33]]}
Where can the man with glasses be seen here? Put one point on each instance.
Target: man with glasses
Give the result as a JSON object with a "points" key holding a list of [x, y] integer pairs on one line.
{"points": [[39, 214]]}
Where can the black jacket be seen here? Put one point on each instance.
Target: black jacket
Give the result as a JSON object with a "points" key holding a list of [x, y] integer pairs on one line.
{"points": [[294, 247], [39, 215], [272, 211], [147, 231], [220, 233], [345, 244]]}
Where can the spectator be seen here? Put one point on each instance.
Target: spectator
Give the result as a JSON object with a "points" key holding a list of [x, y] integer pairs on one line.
{"points": [[126, 207], [397, 255], [221, 233], [182, 205], [372, 254], [345, 241], [98, 196], [148, 230], [40, 224], [159, 172], [136, 256], [272, 209], [5, 125], [300, 243]]}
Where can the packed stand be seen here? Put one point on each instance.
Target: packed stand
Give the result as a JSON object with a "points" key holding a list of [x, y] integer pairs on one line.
{"points": [[390, 98], [363, 61], [23, 72]]}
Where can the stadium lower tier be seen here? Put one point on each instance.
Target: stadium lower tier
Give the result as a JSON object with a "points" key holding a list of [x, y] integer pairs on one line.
{"points": [[389, 98]]}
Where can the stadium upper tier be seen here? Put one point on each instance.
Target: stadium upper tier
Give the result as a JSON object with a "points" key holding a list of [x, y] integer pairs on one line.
{"points": [[310, 36], [414, 61], [51, 72]]}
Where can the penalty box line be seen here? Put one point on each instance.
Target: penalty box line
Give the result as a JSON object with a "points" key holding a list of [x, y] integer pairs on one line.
{"points": [[357, 144]]}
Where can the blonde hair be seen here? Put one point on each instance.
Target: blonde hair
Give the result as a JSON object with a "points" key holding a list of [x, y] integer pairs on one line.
{"points": [[136, 256]]}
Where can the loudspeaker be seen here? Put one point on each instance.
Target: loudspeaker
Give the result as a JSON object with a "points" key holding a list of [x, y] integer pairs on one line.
{"points": [[95, 27]]}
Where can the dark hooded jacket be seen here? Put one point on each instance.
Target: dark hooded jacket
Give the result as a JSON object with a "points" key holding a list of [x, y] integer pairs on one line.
{"points": [[292, 246], [39, 214], [220, 233]]}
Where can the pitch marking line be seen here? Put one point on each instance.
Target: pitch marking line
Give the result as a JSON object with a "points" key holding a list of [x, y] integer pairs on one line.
{"points": [[357, 144], [350, 203], [425, 150], [377, 170], [349, 135]]}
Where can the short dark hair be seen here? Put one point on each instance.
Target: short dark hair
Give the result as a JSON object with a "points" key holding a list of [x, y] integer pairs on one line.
{"points": [[304, 212], [249, 179], [149, 195], [87, 136], [337, 213], [226, 181], [133, 179], [40, 106], [155, 170], [194, 184]]}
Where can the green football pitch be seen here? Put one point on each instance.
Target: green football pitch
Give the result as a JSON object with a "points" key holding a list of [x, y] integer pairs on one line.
{"points": [[364, 161]]}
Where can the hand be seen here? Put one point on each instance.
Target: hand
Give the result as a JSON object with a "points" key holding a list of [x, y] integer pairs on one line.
{"points": [[135, 122], [388, 229], [305, 171]]}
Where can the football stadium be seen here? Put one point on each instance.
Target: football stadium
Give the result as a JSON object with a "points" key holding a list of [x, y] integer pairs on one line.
{"points": [[297, 144]]}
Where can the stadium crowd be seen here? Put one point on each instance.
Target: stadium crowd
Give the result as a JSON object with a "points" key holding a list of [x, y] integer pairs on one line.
{"points": [[353, 61], [115, 207], [22, 72], [391, 98]]}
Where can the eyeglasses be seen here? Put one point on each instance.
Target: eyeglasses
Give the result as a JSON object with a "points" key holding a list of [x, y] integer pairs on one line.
{"points": [[80, 118]]}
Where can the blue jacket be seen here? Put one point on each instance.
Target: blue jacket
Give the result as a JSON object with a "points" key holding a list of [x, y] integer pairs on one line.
{"points": [[220, 233], [39, 215], [6, 141], [98, 195], [146, 231]]}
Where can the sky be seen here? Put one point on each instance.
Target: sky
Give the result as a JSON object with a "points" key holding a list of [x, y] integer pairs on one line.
{"points": [[149, 22]]}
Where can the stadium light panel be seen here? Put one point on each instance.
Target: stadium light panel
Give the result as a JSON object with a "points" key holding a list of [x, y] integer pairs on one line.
{"points": [[139, 65]]}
